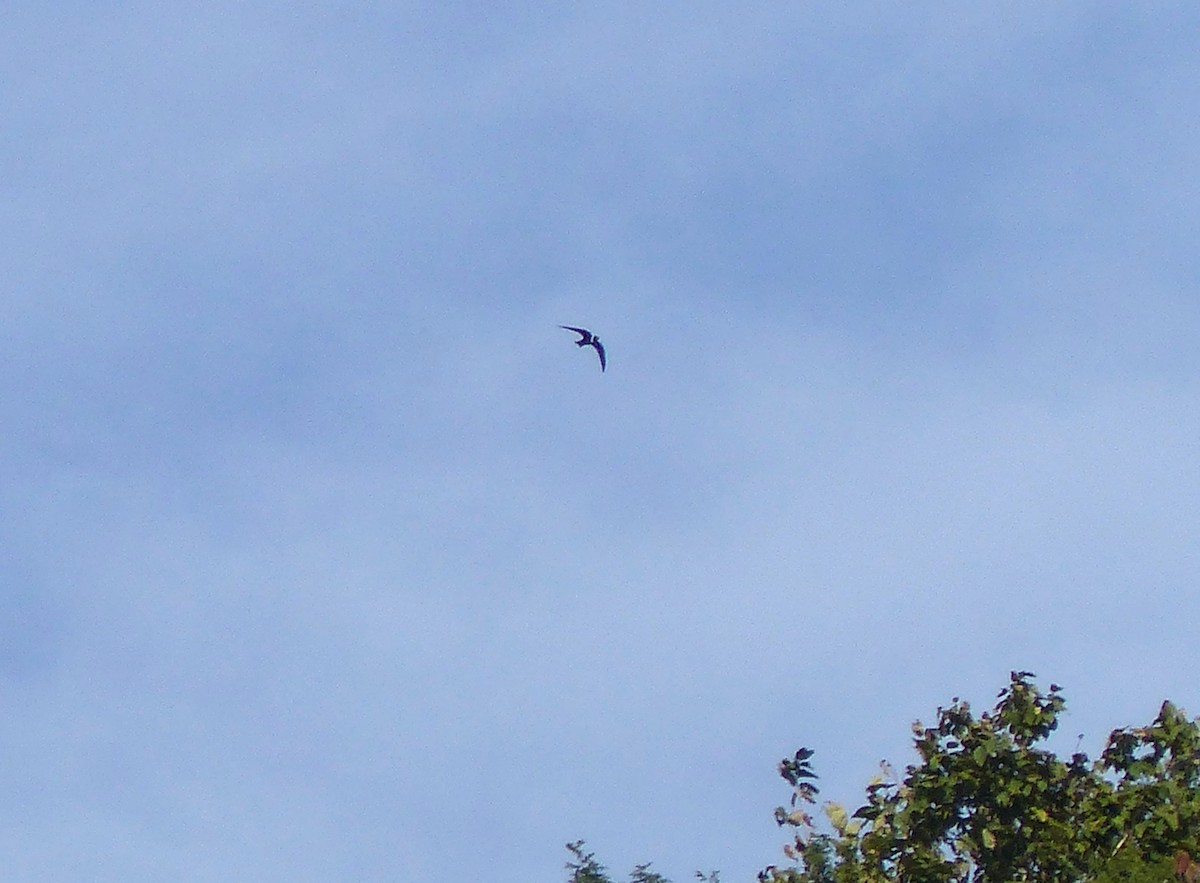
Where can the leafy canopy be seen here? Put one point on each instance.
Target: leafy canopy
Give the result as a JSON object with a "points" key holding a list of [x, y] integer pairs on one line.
{"points": [[987, 803]]}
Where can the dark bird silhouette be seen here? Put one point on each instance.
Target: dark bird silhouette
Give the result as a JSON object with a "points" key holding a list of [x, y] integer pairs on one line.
{"points": [[586, 338]]}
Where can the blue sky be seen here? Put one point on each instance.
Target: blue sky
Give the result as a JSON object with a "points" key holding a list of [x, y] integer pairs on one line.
{"points": [[327, 556]]}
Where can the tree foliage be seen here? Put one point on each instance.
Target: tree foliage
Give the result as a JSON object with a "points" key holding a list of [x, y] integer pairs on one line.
{"points": [[585, 869], [986, 802]]}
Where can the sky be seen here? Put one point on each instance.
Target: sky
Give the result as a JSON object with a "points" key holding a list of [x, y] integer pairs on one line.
{"points": [[325, 555]]}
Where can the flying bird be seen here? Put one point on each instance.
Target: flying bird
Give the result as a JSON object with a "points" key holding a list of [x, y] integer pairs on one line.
{"points": [[586, 338]]}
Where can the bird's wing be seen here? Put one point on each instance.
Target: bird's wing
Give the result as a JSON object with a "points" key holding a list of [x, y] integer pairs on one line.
{"points": [[581, 331], [600, 350]]}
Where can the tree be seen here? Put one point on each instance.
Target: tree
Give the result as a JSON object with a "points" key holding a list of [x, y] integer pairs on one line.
{"points": [[585, 869], [986, 803]]}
